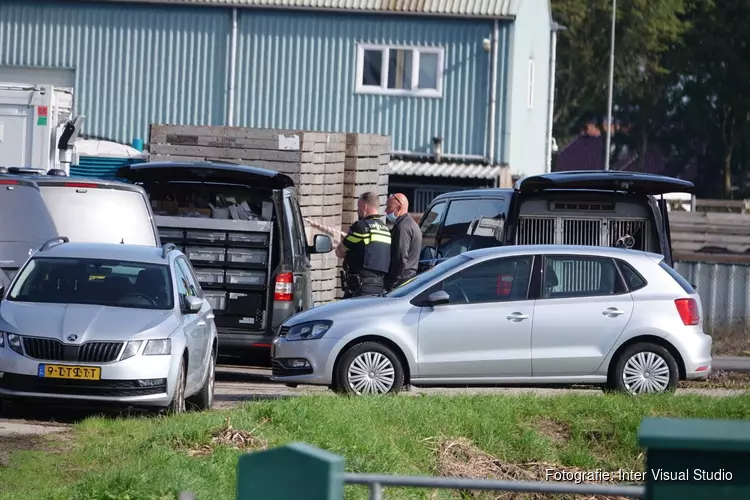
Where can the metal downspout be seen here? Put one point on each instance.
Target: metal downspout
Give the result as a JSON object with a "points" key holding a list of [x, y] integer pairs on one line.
{"points": [[232, 69], [492, 119], [551, 101]]}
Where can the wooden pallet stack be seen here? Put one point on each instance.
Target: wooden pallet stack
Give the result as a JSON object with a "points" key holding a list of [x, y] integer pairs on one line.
{"points": [[320, 190], [325, 167], [702, 236], [365, 169]]}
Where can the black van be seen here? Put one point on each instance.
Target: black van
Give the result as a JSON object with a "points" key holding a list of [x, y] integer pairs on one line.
{"points": [[242, 229], [35, 208], [600, 208]]}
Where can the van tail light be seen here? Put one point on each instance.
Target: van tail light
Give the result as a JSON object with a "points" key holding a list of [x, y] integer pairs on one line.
{"points": [[283, 289], [688, 310]]}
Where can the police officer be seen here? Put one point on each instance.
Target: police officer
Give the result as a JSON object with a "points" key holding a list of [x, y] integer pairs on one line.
{"points": [[366, 250]]}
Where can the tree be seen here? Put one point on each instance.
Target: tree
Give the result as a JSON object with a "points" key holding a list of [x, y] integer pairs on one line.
{"points": [[645, 31], [714, 71]]}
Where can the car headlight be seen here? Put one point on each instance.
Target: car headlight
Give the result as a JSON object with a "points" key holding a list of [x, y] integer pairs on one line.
{"points": [[159, 347], [309, 331], [131, 349], [11, 340]]}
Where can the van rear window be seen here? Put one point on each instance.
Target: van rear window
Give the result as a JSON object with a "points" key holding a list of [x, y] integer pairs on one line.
{"points": [[23, 216], [209, 200], [100, 215], [678, 278]]}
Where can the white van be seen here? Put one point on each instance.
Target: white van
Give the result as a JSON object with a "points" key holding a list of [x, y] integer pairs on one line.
{"points": [[35, 208]]}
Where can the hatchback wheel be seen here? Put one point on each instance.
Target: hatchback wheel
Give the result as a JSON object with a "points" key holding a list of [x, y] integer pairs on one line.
{"points": [[178, 400], [645, 368], [369, 368]]}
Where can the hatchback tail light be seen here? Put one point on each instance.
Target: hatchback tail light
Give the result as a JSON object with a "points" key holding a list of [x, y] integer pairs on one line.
{"points": [[688, 311], [283, 289]]}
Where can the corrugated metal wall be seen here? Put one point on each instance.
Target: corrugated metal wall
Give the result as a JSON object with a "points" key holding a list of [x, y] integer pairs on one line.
{"points": [[142, 64], [298, 71], [134, 65], [724, 291]]}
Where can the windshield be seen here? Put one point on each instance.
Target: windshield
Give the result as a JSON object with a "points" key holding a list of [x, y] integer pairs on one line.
{"points": [[100, 215], [95, 282], [422, 279]]}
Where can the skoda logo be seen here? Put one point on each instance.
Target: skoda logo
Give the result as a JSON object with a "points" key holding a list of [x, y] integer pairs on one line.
{"points": [[72, 337]]}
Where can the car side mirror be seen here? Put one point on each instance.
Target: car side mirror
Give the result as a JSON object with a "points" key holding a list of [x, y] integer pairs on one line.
{"points": [[192, 304], [695, 287], [322, 243], [438, 298]]}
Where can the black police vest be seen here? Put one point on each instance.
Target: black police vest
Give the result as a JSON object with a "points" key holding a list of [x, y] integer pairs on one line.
{"points": [[373, 253]]}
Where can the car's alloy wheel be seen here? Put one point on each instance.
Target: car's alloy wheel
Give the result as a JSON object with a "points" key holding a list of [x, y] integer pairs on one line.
{"points": [[644, 368], [646, 372], [369, 368], [371, 373]]}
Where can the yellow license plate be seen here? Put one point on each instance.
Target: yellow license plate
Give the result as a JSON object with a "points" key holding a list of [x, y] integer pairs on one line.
{"points": [[70, 372]]}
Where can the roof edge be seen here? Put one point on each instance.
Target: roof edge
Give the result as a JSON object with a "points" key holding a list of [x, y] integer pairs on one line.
{"points": [[239, 4]]}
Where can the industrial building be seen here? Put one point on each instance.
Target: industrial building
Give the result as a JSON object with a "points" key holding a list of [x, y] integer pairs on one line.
{"points": [[452, 82]]}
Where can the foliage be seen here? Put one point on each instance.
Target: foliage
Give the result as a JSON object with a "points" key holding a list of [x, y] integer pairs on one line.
{"points": [[681, 74]]}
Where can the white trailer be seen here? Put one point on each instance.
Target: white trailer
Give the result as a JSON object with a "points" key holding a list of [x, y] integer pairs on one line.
{"points": [[37, 130]]}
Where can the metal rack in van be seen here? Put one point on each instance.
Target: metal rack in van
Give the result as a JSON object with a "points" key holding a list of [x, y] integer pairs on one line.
{"points": [[231, 259]]}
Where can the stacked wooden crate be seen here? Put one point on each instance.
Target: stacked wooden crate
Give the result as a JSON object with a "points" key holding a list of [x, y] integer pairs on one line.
{"points": [[329, 171], [365, 169], [710, 236], [320, 191]]}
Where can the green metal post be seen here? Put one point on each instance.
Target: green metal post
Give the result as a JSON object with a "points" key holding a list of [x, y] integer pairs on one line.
{"points": [[290, 472], [694, 459]]}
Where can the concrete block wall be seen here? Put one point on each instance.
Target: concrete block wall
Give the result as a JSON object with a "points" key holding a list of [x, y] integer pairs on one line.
{"points": [[330, 171]]}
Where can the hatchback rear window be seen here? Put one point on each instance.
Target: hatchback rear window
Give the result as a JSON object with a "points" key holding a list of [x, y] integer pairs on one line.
{"points": [[678, 278]]}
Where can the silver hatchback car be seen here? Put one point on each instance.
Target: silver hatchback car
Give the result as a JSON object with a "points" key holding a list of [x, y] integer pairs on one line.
{"points": [[121, 325], [535, 315]]}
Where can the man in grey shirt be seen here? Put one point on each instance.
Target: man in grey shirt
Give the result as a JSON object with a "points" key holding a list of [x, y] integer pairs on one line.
{"points": [[406, 241]]}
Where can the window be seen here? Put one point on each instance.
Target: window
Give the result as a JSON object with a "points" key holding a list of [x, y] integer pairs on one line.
{"points": [[472, 224], [496, 280], [95, 282], [530, 96], [423, 278], [580, 276], [192, 281], [633, 279], [296, 226], [678, 278], [396, 70], [430, 224]]}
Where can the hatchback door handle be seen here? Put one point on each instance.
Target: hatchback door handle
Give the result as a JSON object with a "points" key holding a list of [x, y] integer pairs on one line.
{"points": [[210, 316], [201, 323], [612, 311], [516, 316]]}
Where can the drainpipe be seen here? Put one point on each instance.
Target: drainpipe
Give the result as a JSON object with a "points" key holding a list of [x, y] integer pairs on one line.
{"points": [[551, 101], [232, 69], [492, 119]]}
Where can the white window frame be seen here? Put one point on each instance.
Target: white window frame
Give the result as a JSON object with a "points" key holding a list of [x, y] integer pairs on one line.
{"points": [[530, 90], [383, 89]]}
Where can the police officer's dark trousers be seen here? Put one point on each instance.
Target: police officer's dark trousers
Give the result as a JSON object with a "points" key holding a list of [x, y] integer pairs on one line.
{"points": [[366, 285]]}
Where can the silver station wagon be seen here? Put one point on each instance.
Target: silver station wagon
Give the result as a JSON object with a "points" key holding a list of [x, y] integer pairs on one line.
{"points": [[107, 324]]}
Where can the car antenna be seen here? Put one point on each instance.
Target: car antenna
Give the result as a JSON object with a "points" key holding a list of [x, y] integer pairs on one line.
{"points": [[122, 241]]}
